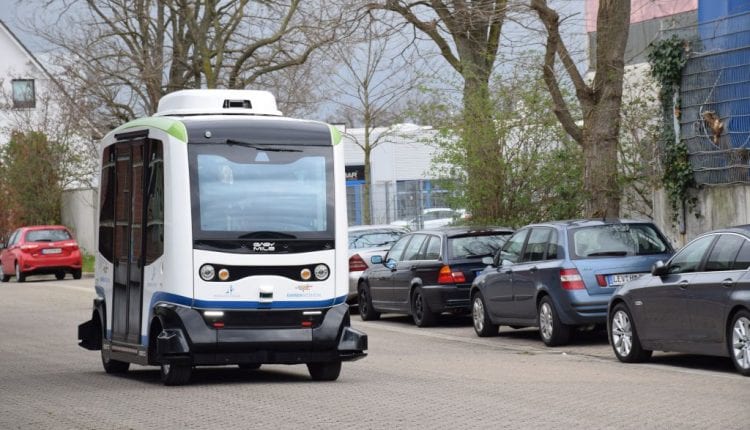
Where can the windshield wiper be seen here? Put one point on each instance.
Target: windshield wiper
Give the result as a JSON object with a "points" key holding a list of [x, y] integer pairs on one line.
{"points": [[259, 147], [612, 253], [267, 235]]}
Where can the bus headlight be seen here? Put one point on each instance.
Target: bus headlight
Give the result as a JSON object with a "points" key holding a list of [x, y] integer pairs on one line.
{"points": [[321, 272], [305, 274], [207, 272]]}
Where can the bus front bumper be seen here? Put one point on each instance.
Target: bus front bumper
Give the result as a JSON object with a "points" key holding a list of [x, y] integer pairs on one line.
{"points": [[188, 337]]}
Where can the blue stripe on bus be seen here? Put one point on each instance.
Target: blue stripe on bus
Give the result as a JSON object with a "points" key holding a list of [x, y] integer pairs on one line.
{"points": [[225, 304]]}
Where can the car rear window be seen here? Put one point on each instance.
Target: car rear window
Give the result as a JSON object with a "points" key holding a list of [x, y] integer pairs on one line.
{"points": [[47, 235], [476, 246], [369, 239], [614, 240]]}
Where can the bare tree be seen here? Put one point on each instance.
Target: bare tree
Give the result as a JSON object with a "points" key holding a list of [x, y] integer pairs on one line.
{"points": [[368, 94], [600, 101], [128, 53], [467, 34]]}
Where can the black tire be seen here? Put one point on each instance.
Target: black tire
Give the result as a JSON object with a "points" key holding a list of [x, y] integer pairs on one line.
{"points": [[20, 276], [60, 276], [114, 367], [324, 371], [175, 374], [483, 327], [77, 274], [552, 331], [6, 278], [623, 336], [366, 311], [249, 366], [738, 341], [420, 309]]}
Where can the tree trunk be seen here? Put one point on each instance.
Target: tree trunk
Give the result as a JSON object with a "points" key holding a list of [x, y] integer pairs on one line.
{"points": [[480, 142], [366, 216]]}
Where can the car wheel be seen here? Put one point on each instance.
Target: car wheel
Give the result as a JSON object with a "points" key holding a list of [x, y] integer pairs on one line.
{"points": [[175, 374], [60, 275], [77, 274], [739, 342], [249, 366], [366, 311], [624, 338], [420, 310], [6, 278], [482, 324], [324, 371], [552, 330], [20, 276]]}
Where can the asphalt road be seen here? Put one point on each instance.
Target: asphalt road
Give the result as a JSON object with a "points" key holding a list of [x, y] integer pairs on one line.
{"points": [[442, 377]]}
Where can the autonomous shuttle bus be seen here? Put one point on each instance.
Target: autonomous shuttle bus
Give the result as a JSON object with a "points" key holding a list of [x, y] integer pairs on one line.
{"points": [[222, 241]]}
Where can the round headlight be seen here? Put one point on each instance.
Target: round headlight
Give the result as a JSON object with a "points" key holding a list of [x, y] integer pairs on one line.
{"points": [[321, 272], [207, 272], [223, 274], [305, 274]]}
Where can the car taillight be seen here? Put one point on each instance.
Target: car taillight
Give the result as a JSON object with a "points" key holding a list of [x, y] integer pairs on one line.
{"points": [[601, 280], [570, 279], [356, 263], [29, 247], [70, 245], [448, 276]]}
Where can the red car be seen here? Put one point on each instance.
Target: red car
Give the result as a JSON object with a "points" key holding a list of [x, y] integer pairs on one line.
{"points": [[41, 249]]}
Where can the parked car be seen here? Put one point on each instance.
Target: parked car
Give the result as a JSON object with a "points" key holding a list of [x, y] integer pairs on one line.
{"points": [[433, 218], [366, 241], [560, 275], [697, 303], [42, 249], [427, 272]]}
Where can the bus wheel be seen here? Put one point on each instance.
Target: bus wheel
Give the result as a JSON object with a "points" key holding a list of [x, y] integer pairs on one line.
{"points": [[175, 374], [324, 371], [114, 366]]}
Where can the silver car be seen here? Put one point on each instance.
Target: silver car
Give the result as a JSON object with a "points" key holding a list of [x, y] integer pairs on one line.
{"points": [[364, 242]]}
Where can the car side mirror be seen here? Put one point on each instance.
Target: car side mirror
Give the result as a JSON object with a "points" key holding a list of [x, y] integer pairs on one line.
{"points": [[659, 269], [488, 261], [390, 263], [376, 259]]}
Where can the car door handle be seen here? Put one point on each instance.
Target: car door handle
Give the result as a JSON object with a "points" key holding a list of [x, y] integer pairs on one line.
{"points": [[683, 284], [727, 282], [413, 267]]}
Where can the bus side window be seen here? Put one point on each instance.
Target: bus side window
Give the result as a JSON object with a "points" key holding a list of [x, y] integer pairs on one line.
{"points": [[155, 202], [107, 205]]}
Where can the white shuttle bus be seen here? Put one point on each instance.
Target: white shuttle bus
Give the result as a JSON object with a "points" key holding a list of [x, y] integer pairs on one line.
{"points": [[222, 240]]}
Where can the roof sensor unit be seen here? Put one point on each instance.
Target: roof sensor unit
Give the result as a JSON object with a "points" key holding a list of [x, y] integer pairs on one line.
{"points": [[218, 102]]}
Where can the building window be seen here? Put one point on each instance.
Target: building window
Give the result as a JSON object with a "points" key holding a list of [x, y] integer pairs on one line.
{"points": [[23, 93]]}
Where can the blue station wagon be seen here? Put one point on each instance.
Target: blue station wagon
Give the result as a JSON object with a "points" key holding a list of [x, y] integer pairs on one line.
{"points": [[560, 275]]}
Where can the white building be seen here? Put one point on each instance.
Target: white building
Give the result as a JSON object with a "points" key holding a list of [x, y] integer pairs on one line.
{"points": [[403, 177]]}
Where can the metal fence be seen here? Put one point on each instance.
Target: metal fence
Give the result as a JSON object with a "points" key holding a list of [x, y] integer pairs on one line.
{"points": [[714, 119]]}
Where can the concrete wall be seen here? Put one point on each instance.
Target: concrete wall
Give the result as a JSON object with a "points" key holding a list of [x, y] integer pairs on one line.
{"points": [[717, 207], [79, 214]]}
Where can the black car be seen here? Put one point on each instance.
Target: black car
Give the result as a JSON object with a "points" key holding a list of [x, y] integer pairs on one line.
{"points": [[428, 272], [697, 303]]}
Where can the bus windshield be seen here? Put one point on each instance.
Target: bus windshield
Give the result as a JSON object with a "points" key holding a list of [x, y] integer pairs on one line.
{"points": [[256, 191]]}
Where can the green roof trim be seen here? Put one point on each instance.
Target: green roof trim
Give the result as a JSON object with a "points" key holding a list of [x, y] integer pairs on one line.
{"points": [[335, 135], [170, 126]]}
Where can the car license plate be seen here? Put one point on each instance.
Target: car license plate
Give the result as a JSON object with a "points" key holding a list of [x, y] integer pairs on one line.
{"points": [[617, 280], [46, 251]]}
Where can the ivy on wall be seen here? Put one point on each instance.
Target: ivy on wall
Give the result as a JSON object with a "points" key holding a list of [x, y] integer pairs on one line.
{"points": [[667, 58]]}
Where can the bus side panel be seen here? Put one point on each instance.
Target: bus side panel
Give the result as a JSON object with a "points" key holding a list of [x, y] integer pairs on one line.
{"points": [[103, 286], [342, 225]]}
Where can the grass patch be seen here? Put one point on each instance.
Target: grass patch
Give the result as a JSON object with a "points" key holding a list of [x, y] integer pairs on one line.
{"points": [[88, 263]]}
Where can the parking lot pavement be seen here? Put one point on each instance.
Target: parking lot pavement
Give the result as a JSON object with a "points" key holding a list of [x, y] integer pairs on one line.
{"points": [[440, 377]]}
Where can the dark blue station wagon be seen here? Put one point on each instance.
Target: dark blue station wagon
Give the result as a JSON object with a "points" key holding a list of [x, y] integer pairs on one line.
{"points": [[560, 275]]}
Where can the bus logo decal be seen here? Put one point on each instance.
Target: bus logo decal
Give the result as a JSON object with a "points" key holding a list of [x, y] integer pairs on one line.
{"points": [[264, 246]]}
